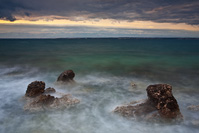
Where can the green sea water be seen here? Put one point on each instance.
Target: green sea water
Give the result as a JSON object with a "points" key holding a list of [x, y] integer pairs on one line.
{"points": [[104, 69]]}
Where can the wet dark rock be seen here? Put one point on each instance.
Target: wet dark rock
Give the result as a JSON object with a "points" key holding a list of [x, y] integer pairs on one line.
{"points": [[35, 88], [66, 76], [44, 100], [160, 105], [50, 90], [161, 96]]}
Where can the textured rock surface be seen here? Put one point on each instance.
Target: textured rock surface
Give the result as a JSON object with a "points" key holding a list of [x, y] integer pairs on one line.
{"points": [[35, 88], [160, 104], [44, 100], [138, 109], [163, 99], [48, 102], [66, 76]]}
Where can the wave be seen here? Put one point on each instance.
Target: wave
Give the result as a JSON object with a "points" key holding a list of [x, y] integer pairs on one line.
{"points": [[99, 93]]}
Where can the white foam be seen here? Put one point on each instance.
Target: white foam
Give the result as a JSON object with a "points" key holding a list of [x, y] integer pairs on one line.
{"points": [[99, 95]]}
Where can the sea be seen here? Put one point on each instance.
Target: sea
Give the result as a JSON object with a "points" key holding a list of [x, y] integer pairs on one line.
{"points": [[104, 70]]}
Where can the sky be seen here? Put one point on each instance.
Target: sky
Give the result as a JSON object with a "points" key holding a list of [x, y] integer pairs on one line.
{"points": [[98, 18]]}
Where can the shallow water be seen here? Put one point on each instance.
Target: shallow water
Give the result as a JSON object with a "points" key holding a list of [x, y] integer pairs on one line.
{"points": [[104, 71]]}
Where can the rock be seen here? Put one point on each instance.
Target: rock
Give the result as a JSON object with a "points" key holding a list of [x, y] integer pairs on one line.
{"points": [[35, 88], [160, 105], [65, 101], [39, 103], [141, 111], [50, 90], [66, 76], [135, 109], [48, 102], [44, 100], [133, 85], [195, 123], [161, 96], [193, 107]]}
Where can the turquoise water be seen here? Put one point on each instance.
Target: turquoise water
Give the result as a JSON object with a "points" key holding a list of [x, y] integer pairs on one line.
{"points": [[104, 70]]}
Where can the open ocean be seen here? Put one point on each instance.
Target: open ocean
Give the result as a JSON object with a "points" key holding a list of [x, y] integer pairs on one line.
{"points": [[104, 71]]}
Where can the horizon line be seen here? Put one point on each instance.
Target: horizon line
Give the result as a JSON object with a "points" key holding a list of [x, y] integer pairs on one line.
{"points": [[108, 38]]}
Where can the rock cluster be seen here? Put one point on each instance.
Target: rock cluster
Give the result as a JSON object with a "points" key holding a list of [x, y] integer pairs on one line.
{"points": [[160, 104], [39, 99]]}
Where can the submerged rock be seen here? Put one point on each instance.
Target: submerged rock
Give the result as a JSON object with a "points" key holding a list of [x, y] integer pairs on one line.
{"points": [[66, 76], [133, 85], [35, 88], [193, 107], [195, 123], [50, 90], [160, 104]]}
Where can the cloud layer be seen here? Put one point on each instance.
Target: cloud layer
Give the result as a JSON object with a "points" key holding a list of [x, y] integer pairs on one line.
{"points": [[169, 11], [39, 31]]}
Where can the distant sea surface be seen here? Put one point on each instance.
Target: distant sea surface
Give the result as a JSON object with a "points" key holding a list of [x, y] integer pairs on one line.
{"points": [[104, 71]]}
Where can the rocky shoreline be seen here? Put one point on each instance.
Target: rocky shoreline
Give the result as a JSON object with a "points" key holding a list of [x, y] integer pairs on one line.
{"points": [[160, 105]]}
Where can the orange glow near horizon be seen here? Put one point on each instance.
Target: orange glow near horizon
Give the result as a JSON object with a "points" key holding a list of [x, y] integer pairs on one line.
{"points": [[106, 23]]}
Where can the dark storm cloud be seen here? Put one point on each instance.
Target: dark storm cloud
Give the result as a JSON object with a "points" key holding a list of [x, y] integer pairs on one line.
{"points": [[171, 11]]}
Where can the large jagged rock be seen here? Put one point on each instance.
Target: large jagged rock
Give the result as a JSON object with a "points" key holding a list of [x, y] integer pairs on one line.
{"points": [[35, 88], [163, 99], [160, 105], [66, 76]]}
